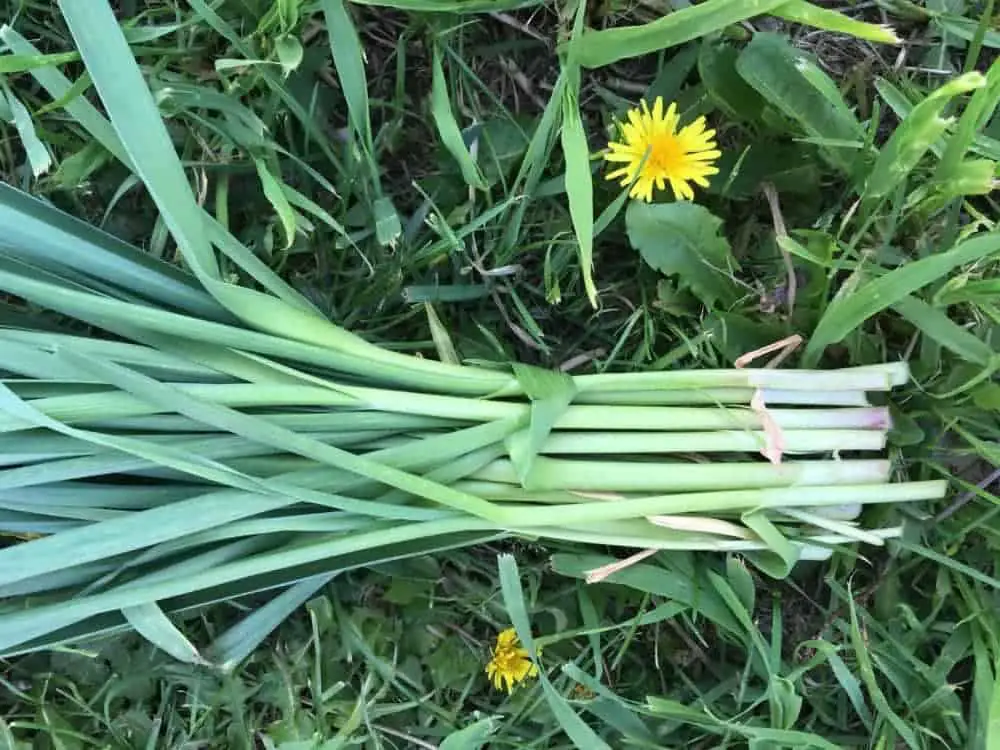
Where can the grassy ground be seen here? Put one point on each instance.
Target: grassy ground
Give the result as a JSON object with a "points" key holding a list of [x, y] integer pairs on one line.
{"points": [[439, 222]]}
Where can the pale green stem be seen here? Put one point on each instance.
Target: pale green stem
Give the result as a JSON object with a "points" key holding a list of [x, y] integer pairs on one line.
{"points": [[118, 404], [794, 441], [696, 396], [619, 476], [709, 503], [874, 378]]}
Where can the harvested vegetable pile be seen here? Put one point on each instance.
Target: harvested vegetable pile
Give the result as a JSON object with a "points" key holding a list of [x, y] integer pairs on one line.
{"points": [[215, 457], [202, 436]]}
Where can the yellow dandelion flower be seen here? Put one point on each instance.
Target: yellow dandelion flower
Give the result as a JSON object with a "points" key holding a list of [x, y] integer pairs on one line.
{"points": [[654, 152], [510, 663]]}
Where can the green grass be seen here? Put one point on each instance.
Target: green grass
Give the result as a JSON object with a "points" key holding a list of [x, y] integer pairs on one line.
{"points": [[425, 186]]}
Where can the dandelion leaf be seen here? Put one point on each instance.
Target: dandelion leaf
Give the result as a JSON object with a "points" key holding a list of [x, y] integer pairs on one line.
{"points": [[682, 239]]}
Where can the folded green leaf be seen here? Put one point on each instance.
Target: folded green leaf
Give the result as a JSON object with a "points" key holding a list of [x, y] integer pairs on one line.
{"points": [[810, 14], [908, 143], [597, 48]]}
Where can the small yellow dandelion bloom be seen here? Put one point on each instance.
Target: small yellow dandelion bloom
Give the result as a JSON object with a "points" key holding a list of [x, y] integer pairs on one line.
{"points": [[679, 157], [510, 663]]}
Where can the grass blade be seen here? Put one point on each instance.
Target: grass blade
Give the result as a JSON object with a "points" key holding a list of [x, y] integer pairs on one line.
{"points": [[150, 622], [579, 188], [809, 14], [348, 59], [847, 313], [921, 128], [597, 48], [513, 596], [239, 641], [451, 134]]}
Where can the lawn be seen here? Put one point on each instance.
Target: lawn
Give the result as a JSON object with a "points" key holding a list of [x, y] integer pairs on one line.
{"points": [[345, 401]]}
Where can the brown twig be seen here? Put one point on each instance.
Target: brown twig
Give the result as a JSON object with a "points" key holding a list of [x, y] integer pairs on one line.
{"points": [[780, 231], [509, 20]]}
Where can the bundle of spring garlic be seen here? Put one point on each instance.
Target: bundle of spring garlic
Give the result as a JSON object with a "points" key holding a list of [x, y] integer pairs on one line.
{"points": [[172, 438]]}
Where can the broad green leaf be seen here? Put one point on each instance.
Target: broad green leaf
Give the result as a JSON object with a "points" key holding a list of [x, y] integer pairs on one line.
{"points": [[290, 53], [799, 89], [741, 582], [732, 94], [579, 181], [47, 237], [790, 167], [119, 82], [596, 48], [448, 129], [970, 177], [810, 14], [683, 239], [908, 143], [846, 313]]}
